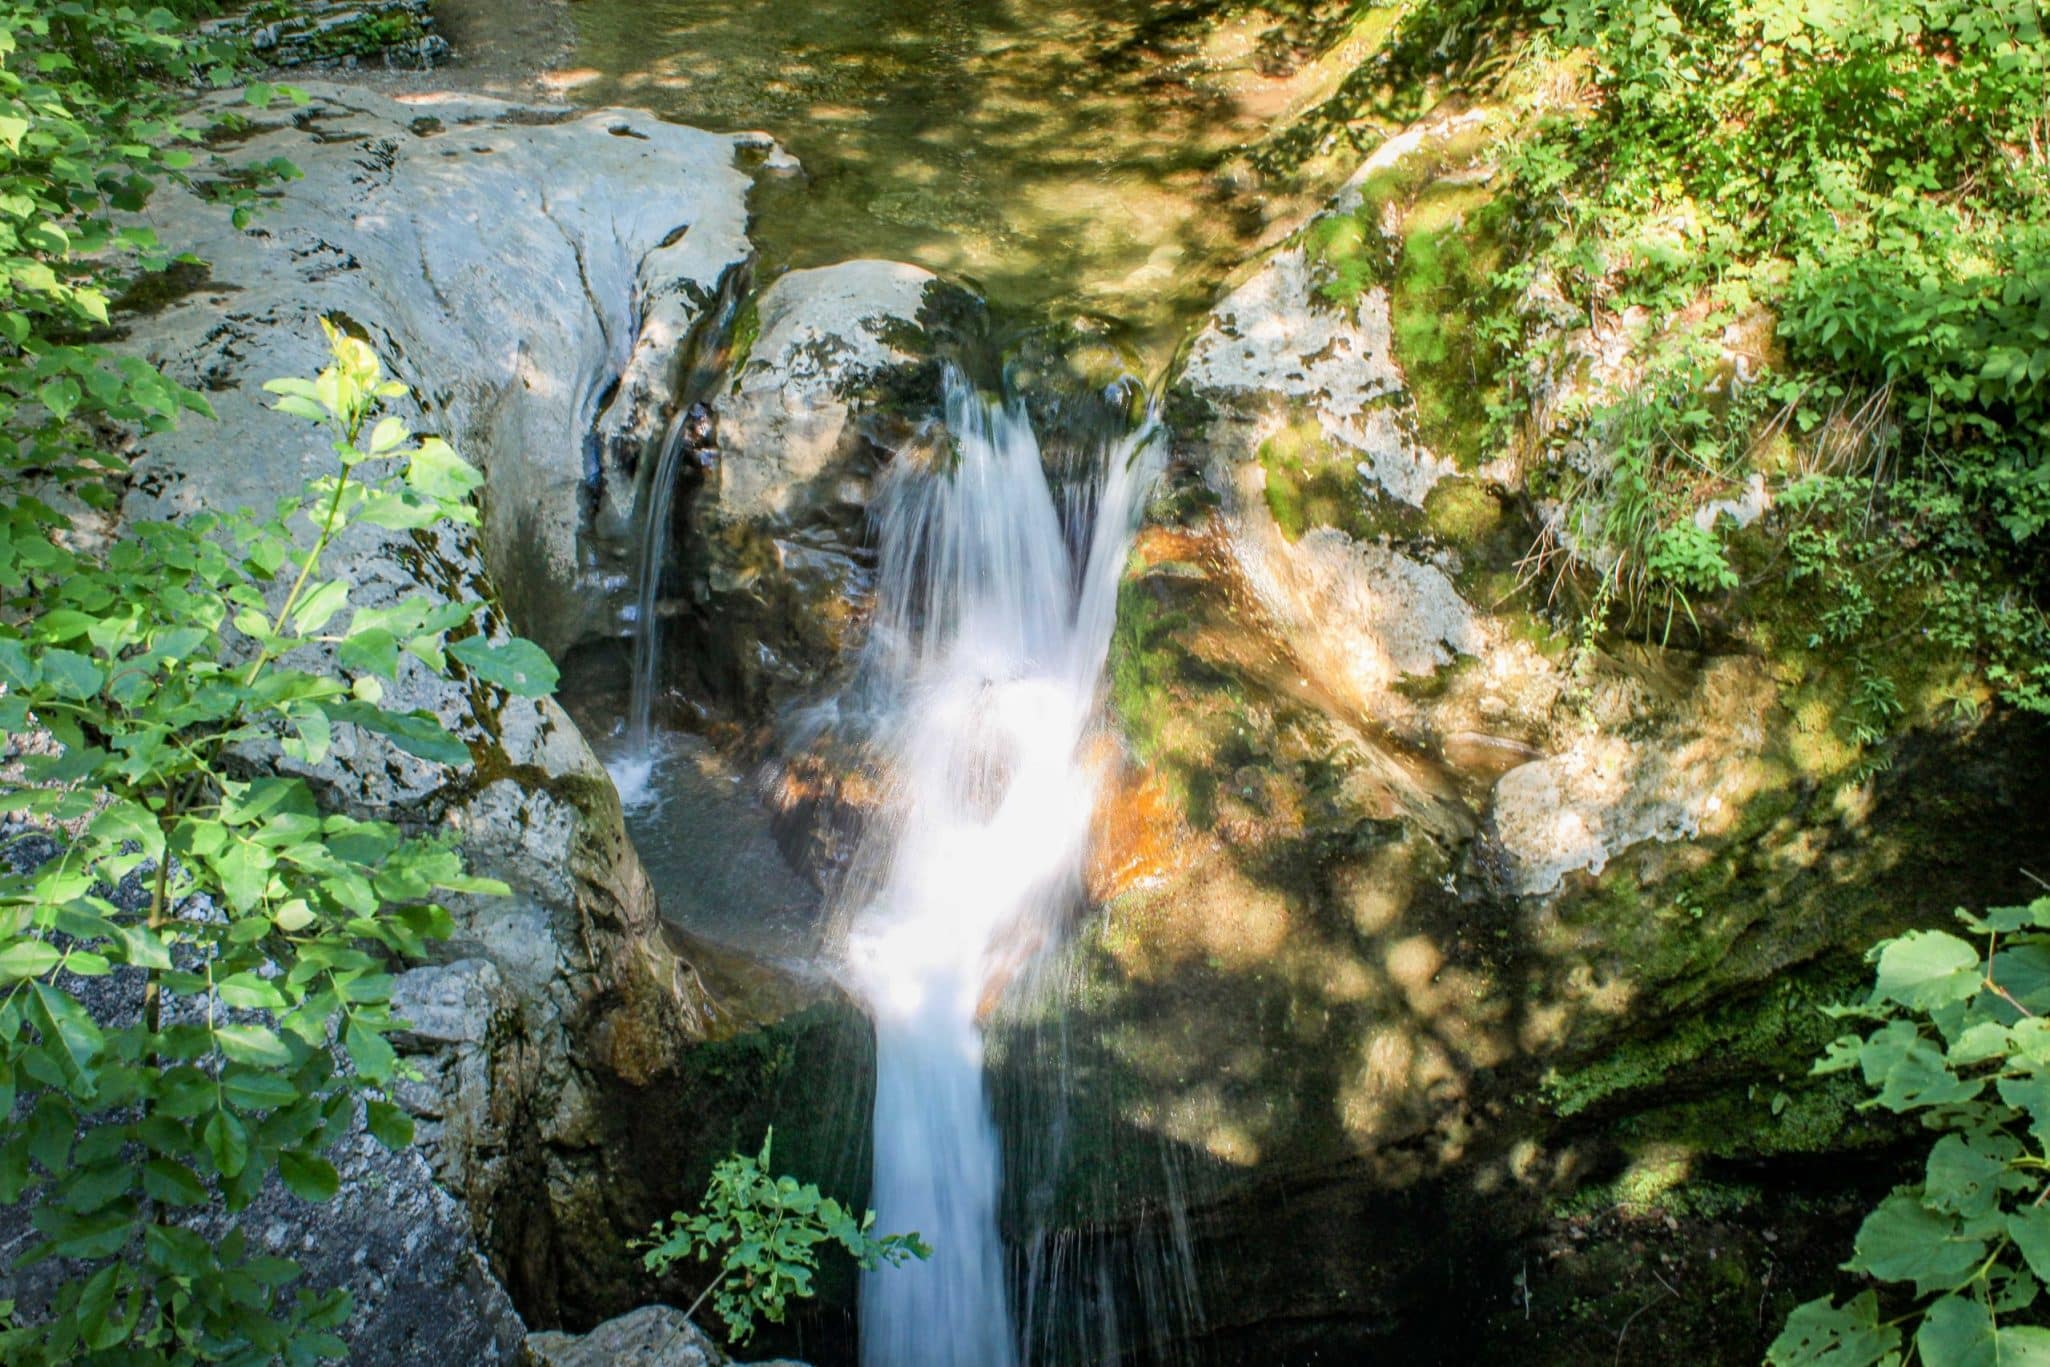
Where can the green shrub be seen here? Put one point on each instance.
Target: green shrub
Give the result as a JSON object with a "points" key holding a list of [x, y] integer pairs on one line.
{"points": [[1958, 1034], [1657, 454], [251, 930], [765, 1233], [1877, 175]]}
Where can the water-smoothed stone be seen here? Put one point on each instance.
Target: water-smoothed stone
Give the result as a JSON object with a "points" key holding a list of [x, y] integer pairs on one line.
{"points": [[825, 335], [529, 276], [830, 373], [652, 1336]]}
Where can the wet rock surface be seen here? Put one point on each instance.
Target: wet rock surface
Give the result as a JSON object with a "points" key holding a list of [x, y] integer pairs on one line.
{"points": [[778, 557]]}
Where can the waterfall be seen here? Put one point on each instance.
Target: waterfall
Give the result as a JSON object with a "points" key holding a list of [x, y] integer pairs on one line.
{"points": [[634, 763], [686, 449], [982, 672]]}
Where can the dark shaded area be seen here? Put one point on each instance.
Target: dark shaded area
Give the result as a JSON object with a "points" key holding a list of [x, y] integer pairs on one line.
{"points": [[807, 1069]]}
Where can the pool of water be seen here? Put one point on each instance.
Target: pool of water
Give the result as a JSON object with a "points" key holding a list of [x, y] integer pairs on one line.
{"points": [[1070, 159]]}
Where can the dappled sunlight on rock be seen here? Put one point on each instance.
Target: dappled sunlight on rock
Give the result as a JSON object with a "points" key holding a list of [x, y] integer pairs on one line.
{"points": [[1137, 834]]}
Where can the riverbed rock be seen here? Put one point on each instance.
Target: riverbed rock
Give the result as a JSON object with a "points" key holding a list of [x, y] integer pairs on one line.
{"points": [[831, 373], [528, 275], [398, 34], [652, 1336]]}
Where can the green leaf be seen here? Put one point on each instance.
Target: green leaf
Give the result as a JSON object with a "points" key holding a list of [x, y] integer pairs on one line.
{"points": [[179, 1252], [52, 1126], [390, 1125], [71, 675], [1980, 1042], [388, 433], [1958, 1332], [254, 1044], [65, 624], [1910, 1071], [99, 1234], [17, 670], [60, 396], [1904, 1241], [28, 959], [1925, 969], [519, 666], [417, 733], [369, 1051], [372, 649], [227, 1142], [1963, 1177], [2029, 1227], [301, 408], [244, 870], [141, 947], [125, 820], [250, 992], [439, 473], [311, 1177], [65, 1024], [318, 608], [169, 1181], [2030, 1094], [255, 1090]]}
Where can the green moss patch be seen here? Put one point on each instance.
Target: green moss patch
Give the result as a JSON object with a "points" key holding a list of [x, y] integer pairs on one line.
{"points": [[1312, 483], [1450, 248]]}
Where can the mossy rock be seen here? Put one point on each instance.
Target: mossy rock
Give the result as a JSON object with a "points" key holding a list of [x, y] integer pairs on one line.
{"points": [[1312, 482], [1451, 245]]}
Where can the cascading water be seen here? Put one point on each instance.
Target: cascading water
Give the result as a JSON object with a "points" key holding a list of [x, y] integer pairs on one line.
{"points": [[686, 442], [983, 669], [634, 760]]}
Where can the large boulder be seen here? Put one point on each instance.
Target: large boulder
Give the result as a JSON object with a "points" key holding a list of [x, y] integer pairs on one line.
{"points": [[830, 371], [1432, 921], [534, 279]]}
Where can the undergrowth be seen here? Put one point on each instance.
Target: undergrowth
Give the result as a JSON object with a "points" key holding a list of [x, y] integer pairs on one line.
{"points": [[1874, 181]]}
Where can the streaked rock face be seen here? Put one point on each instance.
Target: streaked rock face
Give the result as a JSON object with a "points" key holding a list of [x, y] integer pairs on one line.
{"points": [[533, 277]]}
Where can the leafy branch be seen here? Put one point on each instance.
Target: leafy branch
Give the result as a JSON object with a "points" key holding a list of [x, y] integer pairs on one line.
{"points": [[764, 1233], [256, 929], [1958, 1037]]}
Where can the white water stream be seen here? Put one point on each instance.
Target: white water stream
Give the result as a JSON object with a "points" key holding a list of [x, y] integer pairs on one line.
{"points": [[993, 618]]}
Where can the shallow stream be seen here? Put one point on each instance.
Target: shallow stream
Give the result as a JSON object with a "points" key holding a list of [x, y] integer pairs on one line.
{"points": [[1071, 159]]}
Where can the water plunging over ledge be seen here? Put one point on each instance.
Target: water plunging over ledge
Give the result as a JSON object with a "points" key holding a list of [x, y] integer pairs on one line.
{"points": [[982, 673]]}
